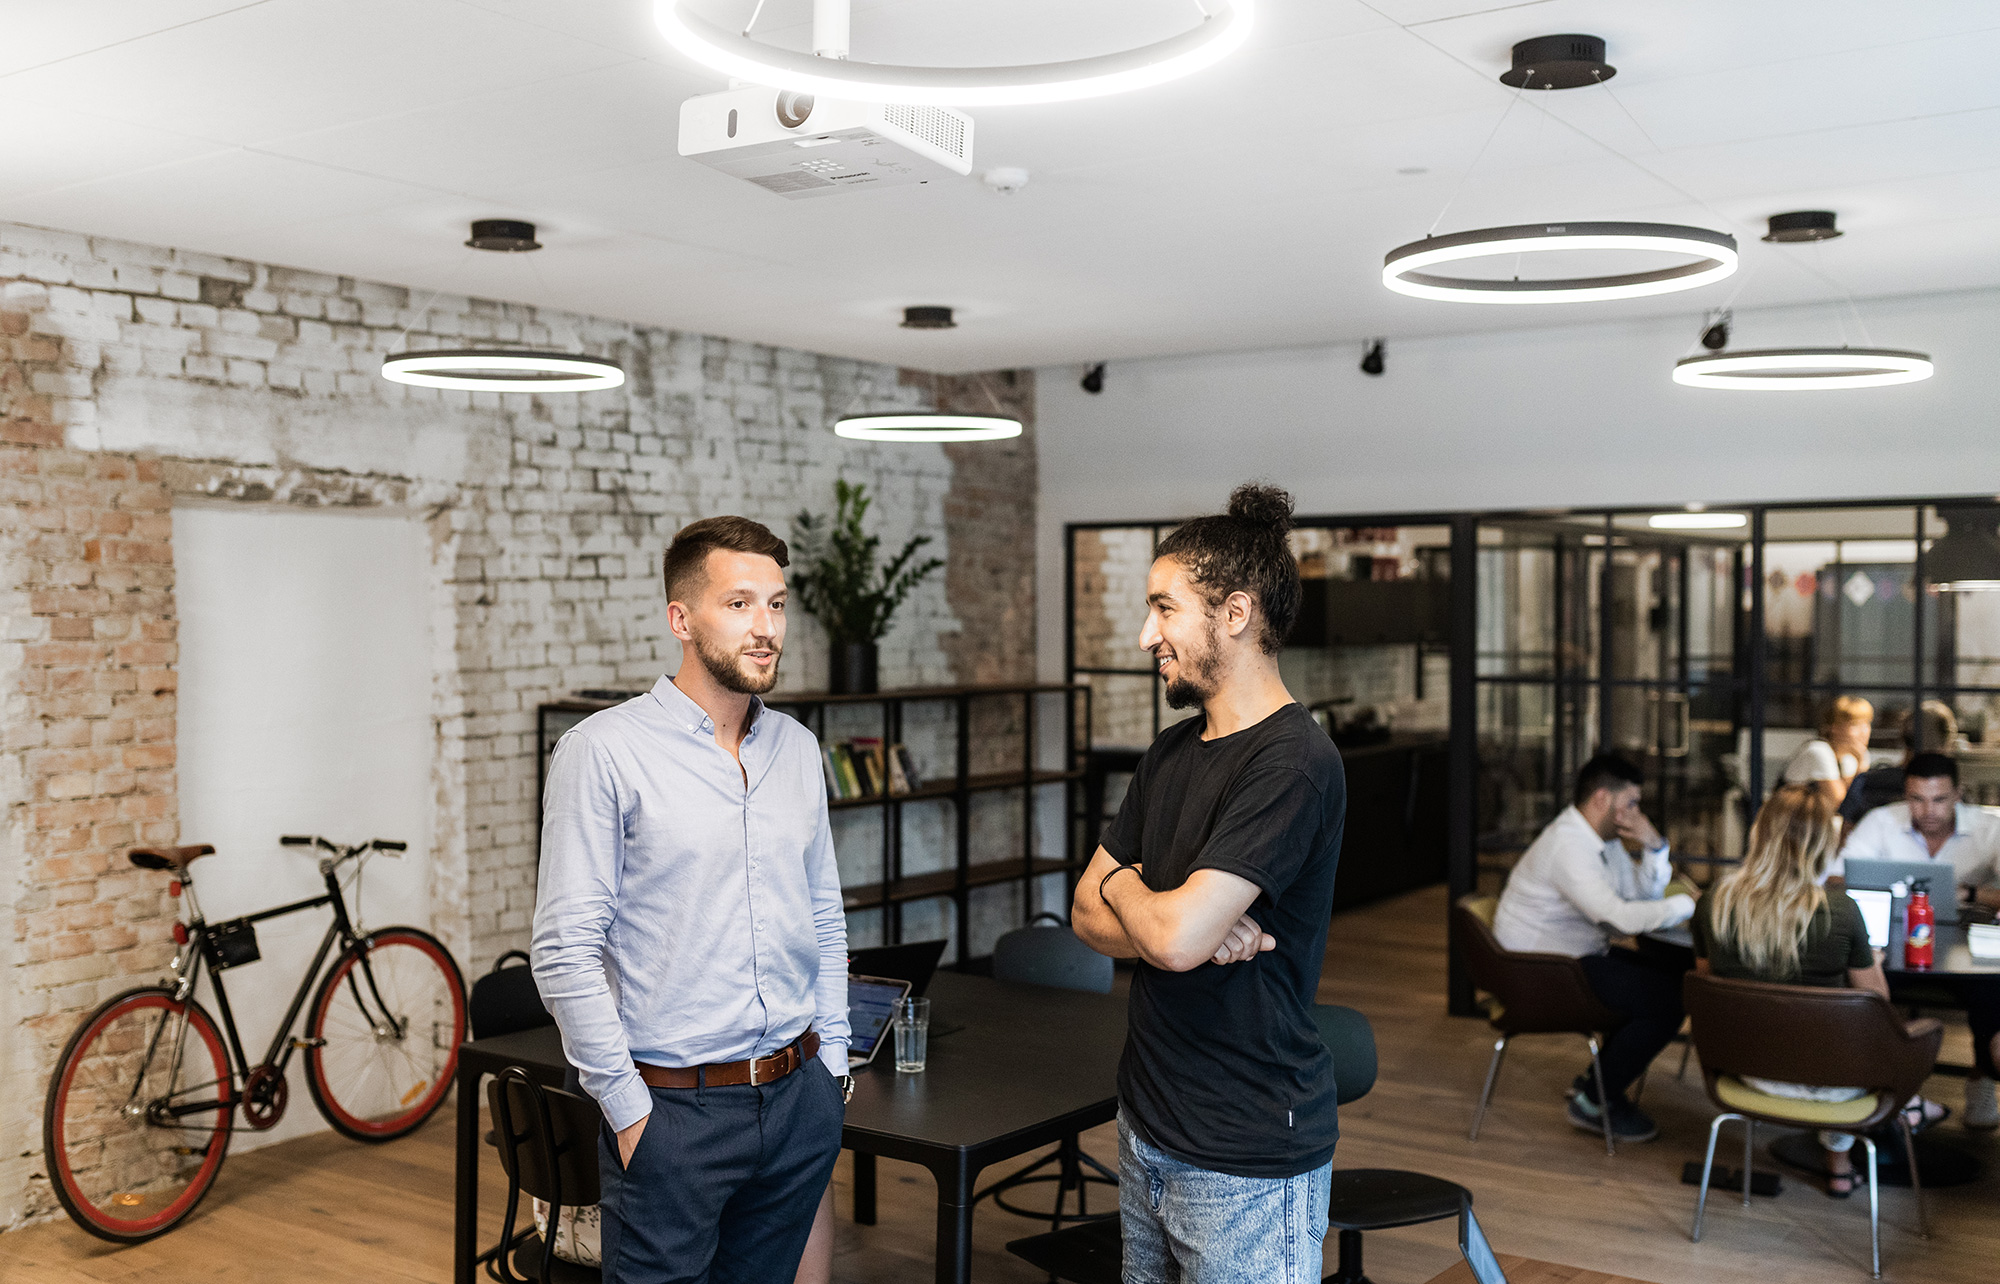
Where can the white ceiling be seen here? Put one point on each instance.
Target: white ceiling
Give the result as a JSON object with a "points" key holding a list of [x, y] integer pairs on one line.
{"points": [[1246, 207]]}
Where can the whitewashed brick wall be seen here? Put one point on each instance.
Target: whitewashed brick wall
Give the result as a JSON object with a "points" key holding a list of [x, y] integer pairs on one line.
{"points": [[221, 379]]}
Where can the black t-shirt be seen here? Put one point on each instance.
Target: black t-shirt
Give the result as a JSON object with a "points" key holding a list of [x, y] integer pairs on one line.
{"points": [[1836, 940], [1223, 1066]]}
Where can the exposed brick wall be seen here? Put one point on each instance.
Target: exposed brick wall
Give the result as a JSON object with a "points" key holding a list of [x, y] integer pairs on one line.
{"points": [[219, 379], [88, 730]]}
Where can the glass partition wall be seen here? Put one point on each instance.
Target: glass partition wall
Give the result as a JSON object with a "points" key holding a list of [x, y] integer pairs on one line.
{"points": [[1705, 644]]}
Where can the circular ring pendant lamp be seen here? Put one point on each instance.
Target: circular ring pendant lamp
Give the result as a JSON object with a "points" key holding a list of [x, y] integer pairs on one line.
{"points": [[1802, 369], [828, 71], [502, 369], [1715, 258], [1549, 63], [924, 426]]}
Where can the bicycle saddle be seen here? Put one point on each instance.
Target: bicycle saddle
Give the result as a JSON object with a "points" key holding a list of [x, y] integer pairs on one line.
{"points": [[167, 857]]}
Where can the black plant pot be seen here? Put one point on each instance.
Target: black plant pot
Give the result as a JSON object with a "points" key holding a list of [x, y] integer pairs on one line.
{"points": [[853, 668]]}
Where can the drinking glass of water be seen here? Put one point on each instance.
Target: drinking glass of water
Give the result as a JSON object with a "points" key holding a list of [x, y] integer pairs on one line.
{"points": [[913, 1032]]}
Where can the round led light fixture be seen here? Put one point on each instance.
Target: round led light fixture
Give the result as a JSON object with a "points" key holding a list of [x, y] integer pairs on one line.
{"points": [[1225, 26], [502, 370], [1404, 268], [1802, 369], [927, 426], [1696, 521]]}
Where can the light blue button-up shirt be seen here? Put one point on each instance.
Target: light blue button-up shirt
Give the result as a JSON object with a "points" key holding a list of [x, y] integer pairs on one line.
{"points": [[686, 915]]}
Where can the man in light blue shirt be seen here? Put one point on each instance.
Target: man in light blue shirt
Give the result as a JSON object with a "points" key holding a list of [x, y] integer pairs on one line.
{"points": [[690, 938]]}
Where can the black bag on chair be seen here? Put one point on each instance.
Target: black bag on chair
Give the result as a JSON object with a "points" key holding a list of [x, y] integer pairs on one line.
{"points": [[505, 1000]]}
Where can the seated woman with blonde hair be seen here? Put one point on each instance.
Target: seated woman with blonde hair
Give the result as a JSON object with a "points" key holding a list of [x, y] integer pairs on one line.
{"points": [[1771, 920], [1830, 762]]}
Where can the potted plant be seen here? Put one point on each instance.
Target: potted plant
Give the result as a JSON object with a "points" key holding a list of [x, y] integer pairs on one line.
{"points": [[840, 584]]}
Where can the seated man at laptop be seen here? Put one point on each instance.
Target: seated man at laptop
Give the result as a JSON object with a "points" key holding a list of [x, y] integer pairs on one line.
{"points": [[1575, 889], [1934, 823]]}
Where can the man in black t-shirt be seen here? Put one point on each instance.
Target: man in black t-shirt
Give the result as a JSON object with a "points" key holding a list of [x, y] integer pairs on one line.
{"points": [[1217, 875]]}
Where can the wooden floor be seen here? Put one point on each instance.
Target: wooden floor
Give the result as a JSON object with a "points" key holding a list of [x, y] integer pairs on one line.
{"points": [[324, 1208]]}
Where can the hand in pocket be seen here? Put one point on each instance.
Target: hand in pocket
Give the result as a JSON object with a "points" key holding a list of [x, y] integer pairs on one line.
{"points": [[628, 1141]]}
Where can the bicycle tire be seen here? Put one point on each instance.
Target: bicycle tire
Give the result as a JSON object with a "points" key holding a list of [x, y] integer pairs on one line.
{"points": [[412, 1073], [99, 1157]]}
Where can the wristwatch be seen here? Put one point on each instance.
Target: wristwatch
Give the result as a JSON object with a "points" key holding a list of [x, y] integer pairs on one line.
{"points": [[846, 1082]]}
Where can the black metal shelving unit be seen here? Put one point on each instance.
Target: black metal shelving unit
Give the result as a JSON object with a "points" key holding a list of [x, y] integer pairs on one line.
{"points": [[894, 888]]}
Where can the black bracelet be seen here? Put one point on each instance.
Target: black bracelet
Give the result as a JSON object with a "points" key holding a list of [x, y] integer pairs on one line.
{"points": [[1107, 878]]}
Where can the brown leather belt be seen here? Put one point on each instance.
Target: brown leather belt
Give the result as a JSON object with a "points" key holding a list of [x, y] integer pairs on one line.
{"points": [[758, 1070]]}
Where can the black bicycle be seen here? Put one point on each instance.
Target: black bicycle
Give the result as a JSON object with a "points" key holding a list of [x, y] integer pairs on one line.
{"points": [[143, 1101]]}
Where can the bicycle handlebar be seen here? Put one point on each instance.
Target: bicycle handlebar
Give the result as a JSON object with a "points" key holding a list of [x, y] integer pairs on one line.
{"points": [[314, 840]]}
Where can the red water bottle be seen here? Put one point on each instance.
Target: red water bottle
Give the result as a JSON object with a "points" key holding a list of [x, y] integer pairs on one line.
{"points": [[1919, 919]]}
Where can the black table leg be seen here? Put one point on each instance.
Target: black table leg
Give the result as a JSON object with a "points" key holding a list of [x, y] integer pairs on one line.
{"points": [[465, 1216], [864, 1189], [954, 1221]]}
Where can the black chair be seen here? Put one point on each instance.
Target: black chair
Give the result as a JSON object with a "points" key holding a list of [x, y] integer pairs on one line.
{"points": [[1053, 956], [505, 1000], [1362, 1199], [548, 1147]]}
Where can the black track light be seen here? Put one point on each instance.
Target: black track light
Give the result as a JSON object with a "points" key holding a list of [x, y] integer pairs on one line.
{"points": [[1371, 360], [1093, 379], [1715, 337]]}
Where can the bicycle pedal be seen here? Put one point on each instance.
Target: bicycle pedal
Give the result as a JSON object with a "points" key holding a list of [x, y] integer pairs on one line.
{"points": [[305, 1044]]}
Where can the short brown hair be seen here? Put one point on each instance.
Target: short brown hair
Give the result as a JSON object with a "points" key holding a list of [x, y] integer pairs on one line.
{"points": [[686, 563]]}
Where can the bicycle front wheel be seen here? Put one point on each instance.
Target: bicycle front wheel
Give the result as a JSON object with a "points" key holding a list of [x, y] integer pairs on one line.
{"points": [[384, 1034], [138, 1115]]}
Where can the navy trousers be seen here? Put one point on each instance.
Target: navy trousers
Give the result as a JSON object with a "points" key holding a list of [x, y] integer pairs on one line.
{"points": [[724, 1183]]}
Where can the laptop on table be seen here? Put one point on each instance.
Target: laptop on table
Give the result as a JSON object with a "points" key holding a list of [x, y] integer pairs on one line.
{"points": [[1883, 876]]}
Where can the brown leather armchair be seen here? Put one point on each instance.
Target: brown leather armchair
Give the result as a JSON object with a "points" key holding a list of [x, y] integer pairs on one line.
{"points": [[1533, 993], [1811, 1035]]}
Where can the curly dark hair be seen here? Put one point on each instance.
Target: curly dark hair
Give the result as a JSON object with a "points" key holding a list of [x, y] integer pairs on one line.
{"points": [[1244, 551]]}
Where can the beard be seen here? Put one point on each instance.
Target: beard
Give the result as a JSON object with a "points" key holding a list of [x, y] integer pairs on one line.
{"points": [[726, 667], [1198, 672]]}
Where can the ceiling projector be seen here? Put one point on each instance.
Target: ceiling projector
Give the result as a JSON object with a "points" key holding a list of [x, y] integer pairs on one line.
{"points": [[800, 147]]}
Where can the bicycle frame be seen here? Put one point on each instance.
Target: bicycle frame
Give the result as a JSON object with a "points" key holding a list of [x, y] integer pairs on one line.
{"points": [[194, 953]]}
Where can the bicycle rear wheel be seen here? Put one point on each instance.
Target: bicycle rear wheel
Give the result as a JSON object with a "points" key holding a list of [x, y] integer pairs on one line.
{"points": [[138, 1115], [384, 1033]]}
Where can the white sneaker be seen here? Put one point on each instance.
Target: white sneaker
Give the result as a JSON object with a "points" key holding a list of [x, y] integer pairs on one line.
{"points": [[1981, 1110]]}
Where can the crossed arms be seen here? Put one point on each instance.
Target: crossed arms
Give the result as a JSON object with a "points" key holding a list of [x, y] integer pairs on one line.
{"points": [[1203, 920]]}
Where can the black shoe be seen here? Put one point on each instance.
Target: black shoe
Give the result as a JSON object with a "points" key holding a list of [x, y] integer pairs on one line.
{"points": [[1628, 1122]]}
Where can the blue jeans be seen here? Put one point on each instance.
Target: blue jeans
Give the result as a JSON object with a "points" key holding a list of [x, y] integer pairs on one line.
{"points": [[1189, 1225]]}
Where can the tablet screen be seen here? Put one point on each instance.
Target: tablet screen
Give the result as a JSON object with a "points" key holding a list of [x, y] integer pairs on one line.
{"points": [[871, 1002], [1478, 1253]]}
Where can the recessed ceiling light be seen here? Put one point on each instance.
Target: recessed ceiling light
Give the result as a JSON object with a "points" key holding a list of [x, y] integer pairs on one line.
{"points": [[1696, 521], [1803, 369], [1225, 25], [1414, 169]]}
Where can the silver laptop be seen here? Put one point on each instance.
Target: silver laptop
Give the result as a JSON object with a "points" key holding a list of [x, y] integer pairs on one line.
{"points": [[871, 1005], [1883, 875]]}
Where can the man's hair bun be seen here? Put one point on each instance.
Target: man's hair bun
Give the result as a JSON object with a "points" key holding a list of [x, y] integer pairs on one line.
{"points": [[1259, 505]]}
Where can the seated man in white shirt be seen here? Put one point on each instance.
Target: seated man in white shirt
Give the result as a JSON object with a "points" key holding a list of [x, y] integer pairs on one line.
{"points": [[1934, 823], [1574, 890]]}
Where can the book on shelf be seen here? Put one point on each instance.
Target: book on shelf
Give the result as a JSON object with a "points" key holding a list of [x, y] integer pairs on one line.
{"points": [[906, 766], [862, 767]]}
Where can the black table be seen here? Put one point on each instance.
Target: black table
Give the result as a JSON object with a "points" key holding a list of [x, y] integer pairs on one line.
{"points": [[1021, 1067]]}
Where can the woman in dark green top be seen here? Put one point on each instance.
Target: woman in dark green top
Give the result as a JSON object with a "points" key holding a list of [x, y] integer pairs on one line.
{"points": [[1770, 919]]}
